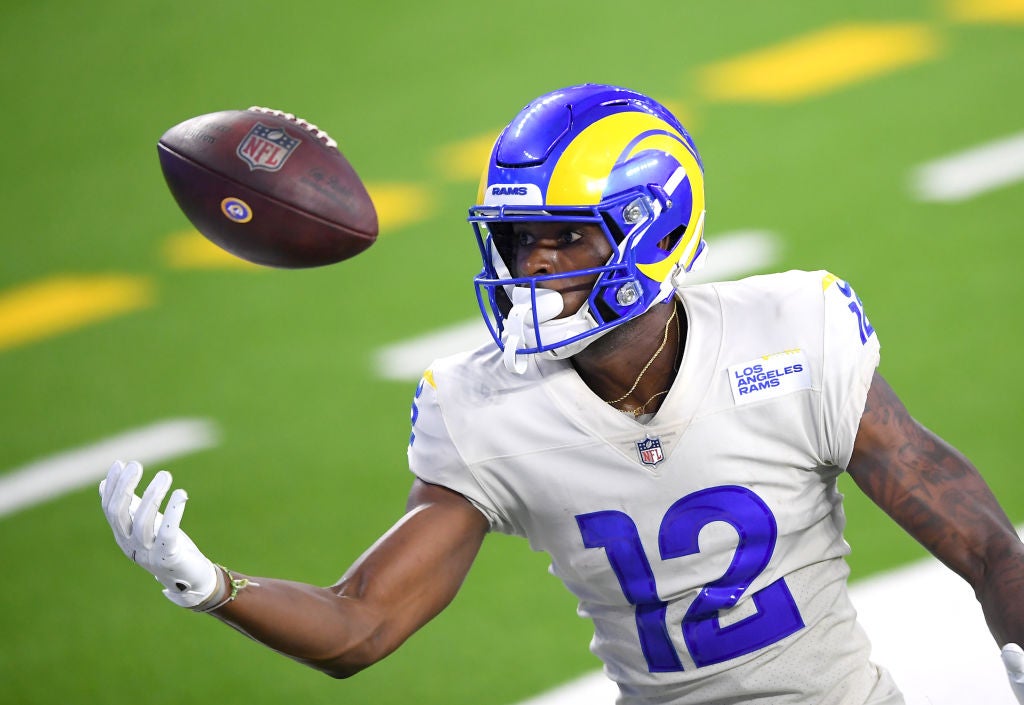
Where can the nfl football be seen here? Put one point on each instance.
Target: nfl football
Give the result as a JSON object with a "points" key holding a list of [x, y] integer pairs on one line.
{"points": [[268, 187]]}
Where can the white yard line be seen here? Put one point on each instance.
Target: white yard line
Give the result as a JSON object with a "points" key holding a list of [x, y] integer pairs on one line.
{"points": [[71, 470], [967, 174], [406, 360], [730, 255], [738, 254], [591, 689], [925, 626]]}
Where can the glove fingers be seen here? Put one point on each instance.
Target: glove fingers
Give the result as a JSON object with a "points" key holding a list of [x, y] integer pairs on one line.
{"points": [[108, 485], [128, 478], [110, 481], [120, 489], [144, 524], [170, 530]]}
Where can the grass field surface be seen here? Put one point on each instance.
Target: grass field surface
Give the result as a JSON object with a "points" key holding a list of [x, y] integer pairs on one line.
{"points": [[813, 120]]}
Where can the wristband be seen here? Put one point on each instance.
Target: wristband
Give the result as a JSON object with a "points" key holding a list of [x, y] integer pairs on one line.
{"points": [[228, 592]]}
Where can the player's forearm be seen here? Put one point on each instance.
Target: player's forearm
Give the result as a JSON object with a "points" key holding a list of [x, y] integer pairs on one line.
{"points": [[1000, 590], [313, 625], [936, 494], [926, 485]]}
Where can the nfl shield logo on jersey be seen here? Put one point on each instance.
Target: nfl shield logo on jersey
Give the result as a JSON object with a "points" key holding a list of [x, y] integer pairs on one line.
{"points": [[266, 147], [650, 451]]}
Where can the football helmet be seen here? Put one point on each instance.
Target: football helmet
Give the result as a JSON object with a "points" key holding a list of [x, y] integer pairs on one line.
{"points": [[595, 154]]}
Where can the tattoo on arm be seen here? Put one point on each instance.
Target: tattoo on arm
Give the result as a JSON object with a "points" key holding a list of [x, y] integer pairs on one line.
{"points": [[937, 495]]}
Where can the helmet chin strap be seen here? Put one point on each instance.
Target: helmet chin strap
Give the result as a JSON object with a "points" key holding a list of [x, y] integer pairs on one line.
{"points": [[519, 326]]}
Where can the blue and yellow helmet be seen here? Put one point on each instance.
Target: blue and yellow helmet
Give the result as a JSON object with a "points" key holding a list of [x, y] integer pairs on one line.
{"points": [[594, 154]]}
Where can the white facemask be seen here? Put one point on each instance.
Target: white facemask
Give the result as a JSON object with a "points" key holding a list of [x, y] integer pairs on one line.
{"points": [[520, 331]]}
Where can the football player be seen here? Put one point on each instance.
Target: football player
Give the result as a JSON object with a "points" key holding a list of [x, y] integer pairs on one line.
{"points": [[674, 448]]}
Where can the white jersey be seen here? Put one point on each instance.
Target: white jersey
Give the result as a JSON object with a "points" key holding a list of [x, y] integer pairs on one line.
{"points": [[706, 545]]}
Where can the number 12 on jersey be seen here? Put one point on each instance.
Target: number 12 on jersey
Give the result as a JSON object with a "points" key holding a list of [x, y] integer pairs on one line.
{"points": [[707, 641]]}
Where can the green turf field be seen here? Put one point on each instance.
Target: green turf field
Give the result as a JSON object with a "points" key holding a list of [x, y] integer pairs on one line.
{"points": [[310, 466]]}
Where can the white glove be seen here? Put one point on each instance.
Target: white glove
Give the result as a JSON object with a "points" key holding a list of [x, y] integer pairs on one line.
{"points": [[154, 541], [1013, 659]]}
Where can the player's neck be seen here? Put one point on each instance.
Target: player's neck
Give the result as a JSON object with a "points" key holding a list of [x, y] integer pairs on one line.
{"points": [[633, 366]]}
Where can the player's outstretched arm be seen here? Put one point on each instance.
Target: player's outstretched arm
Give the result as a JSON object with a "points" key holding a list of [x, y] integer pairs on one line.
{"points": [[408, 576], [401, 582], [938, 496]]}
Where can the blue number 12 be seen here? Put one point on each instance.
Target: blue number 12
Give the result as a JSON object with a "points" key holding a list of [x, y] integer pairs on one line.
{"points": [[707, 641]]}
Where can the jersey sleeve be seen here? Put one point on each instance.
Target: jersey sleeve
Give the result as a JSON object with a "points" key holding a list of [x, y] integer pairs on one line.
{"points": [[850, 354], [434, 457]]}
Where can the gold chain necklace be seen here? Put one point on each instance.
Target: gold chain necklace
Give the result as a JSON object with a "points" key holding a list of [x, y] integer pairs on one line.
{"points": [[639, 411], [650, 362]]}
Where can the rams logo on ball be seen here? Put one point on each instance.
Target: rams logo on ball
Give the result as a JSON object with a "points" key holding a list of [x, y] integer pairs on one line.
{"points": [[236, 209]]}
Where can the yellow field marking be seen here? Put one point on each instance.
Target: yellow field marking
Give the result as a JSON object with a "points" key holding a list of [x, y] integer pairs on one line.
{"points": [[683, 113], [399, 205], [818, 63], [995, 11], [190, 250], [465, 160], [63, 303]]}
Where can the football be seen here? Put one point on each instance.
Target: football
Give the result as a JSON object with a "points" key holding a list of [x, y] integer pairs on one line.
{"points": [[268, 187]]}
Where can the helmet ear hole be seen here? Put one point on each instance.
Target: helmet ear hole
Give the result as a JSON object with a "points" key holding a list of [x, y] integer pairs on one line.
{"points": [[613, 227], [604, 310], [669, 242]]}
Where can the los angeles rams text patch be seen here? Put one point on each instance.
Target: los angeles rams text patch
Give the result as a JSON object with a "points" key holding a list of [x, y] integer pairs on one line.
{"points": [[769, 376]]}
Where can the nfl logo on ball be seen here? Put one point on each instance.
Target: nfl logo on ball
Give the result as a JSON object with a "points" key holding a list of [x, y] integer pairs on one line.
{"points": [[650, 451], [266, 147]]}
